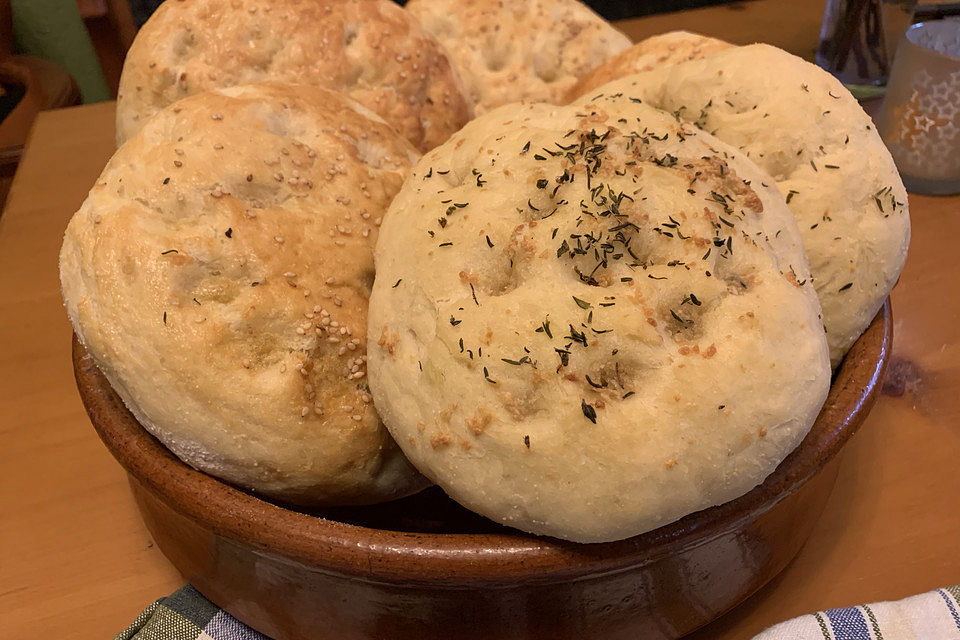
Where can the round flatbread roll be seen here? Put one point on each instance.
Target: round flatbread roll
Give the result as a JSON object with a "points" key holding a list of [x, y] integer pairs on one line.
{"points": [[218, 273], [372, 50], [512, 50], [590, 321], [800, 124], [653, 53]]}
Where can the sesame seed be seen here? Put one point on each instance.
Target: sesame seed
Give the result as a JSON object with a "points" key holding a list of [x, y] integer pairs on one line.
{"points": [[216, 116], [279, 239], [304, 411], [357, 417]]}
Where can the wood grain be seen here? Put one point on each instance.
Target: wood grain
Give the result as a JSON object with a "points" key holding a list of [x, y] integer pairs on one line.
{"points": [[792, 25], [76, 562]]}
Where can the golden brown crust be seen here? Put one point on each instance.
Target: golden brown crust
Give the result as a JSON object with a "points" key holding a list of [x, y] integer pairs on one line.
{"points": [[512, 50], [219, 273], [370, 49]]}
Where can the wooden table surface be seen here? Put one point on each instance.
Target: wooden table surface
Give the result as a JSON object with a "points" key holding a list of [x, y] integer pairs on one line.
{"points": [[76, 562]]}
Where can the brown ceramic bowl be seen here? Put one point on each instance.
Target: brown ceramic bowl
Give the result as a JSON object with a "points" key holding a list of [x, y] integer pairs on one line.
{"points": [[424, 567]]}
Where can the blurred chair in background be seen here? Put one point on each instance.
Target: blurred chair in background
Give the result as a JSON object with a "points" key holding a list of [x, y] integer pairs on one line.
{"points": [[28, 85], [54, 30]]}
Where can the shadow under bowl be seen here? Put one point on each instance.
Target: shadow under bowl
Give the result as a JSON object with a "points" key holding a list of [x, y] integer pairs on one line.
{"points": [[424, 567]]}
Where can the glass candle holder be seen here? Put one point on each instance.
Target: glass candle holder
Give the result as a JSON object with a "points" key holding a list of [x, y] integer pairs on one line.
{"points": [[920, 117]]}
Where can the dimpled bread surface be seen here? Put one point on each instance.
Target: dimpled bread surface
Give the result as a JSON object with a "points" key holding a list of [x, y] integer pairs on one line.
{"points": [[802, 126], [372, 50], [512, 50], [219, 272], [589, 321]]}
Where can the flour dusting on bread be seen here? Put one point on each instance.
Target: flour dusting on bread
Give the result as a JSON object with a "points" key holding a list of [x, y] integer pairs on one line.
{"points": [[593, 320]]}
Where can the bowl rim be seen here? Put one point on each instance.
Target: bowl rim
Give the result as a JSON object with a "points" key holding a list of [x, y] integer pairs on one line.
{"points": [[379, 555]]}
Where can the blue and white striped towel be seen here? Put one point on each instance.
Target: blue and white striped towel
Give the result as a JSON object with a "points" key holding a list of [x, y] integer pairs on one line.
{"points": [[934, 615]]}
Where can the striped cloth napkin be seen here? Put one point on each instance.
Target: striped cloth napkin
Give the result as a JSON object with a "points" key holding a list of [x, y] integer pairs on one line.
{"points": [[935, 615]]}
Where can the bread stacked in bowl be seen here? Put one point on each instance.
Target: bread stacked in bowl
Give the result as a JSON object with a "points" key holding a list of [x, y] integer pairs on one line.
{"points": [[610, 300]]}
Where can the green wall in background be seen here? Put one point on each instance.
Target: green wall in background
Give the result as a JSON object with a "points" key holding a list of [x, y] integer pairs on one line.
{"points": [[53, 29]]}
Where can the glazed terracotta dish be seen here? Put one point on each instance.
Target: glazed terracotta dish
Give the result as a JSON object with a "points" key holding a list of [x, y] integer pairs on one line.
{"points": [[424, 567], [476, 321]]}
